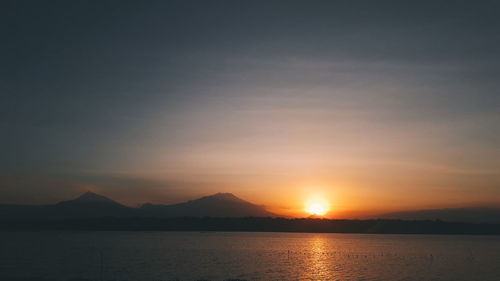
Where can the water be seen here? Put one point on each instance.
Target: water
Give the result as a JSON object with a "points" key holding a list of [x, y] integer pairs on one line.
{"points": [[252, 256]]}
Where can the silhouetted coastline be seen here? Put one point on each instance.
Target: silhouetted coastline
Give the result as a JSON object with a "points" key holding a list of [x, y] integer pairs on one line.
{"points": [[253, 224]]}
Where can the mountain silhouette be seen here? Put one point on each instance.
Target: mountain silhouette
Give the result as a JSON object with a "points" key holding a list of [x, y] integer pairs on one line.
{"points": [[90, 198], [217, 205], [92, 205]]}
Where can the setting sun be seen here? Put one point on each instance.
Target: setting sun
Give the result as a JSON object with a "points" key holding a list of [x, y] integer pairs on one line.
{"points": [[317, 207]]}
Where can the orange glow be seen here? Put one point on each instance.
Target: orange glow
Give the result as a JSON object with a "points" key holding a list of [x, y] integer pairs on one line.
{"points": [[317, 206]]}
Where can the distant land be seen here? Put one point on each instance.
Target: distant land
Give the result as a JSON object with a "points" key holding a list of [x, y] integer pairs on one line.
{"points": [[224, 212], [478, 215], [251, 224]]}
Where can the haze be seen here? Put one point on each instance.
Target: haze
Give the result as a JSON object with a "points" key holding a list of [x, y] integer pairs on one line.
{"points": [[376, 106]]}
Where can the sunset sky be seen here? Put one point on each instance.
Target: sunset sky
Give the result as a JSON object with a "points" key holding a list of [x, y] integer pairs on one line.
{"points": [[376, 106]]}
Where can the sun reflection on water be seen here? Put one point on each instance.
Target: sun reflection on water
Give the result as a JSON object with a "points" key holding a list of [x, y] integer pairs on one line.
{"points": [[319, 265]]}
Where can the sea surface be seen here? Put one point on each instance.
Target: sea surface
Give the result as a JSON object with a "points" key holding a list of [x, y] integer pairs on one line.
{"points": [[249, 256]]}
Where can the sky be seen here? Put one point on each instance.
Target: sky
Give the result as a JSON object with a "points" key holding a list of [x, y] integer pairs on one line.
{"points": [[374, 106]]}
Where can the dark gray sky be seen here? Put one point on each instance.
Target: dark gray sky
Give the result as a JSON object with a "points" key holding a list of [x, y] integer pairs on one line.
{"points": [[164, 100]]}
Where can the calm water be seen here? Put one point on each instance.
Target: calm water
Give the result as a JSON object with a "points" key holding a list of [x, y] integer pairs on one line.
{"points": [[252, 256]]}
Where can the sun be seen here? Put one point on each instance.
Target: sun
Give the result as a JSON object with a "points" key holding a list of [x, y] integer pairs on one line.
{"points": [[317, 207]]}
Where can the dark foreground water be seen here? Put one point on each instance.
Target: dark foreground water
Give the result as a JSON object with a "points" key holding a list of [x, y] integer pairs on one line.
{"points": [[250, 256]]}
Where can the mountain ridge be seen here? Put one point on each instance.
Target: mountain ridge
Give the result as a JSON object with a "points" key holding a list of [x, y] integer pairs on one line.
{"points": [[90, 198], [93, 205], [217, 205]]}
